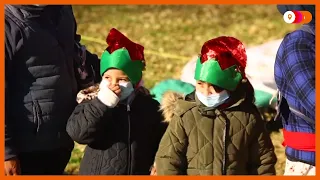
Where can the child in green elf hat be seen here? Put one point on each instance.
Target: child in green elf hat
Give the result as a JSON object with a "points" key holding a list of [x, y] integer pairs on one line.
{"points": [[216, 130], [120, 123]]}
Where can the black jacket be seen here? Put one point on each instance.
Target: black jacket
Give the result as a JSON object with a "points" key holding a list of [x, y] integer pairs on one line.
{"points": [[120, 141], [40, 78]]}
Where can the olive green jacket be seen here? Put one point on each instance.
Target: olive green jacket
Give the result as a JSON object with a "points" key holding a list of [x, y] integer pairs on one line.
{"points": [[204, 141]]}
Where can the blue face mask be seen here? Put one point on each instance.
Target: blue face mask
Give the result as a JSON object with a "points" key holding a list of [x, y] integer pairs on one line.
{"points": [[213, 100], [126, 90]]}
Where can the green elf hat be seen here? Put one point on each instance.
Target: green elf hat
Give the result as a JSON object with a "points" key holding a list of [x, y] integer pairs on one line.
{"points": [[222, 63], [123, 54]]}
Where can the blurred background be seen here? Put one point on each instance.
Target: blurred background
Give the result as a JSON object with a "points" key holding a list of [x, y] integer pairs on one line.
{"points": [[173, 34]]}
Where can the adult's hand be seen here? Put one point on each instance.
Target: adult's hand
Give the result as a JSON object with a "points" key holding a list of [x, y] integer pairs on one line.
{"points": [[153, 170], [12, 167]]}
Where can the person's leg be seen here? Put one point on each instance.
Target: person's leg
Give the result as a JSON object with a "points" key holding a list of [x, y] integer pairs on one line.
{"points": [[31, 163], [58, 161], [312, 171], [298, 169]]}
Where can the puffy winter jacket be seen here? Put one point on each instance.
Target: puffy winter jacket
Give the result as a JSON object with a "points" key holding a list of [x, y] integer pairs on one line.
{"points": [[205, 141], [121, 140], [40, 79]]}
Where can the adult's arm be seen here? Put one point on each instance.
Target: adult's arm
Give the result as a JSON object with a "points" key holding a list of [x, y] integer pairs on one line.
{"points": [[13, 41]]}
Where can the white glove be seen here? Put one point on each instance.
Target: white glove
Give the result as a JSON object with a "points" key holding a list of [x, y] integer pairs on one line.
{"points": [[106, 96]]}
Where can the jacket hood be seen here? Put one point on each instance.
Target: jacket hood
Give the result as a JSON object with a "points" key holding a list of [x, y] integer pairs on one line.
{"points": [[88, 93], [169, 104], [34, 11], [311, 8]]}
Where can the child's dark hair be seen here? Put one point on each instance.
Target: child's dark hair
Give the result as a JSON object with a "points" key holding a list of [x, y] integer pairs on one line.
{"points": [[244, 90]]}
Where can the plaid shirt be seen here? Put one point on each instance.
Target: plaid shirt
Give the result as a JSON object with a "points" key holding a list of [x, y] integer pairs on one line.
{"points": [[294, 73]]}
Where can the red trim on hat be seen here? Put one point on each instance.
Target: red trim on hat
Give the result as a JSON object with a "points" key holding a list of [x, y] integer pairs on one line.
{"points": [[228, 51], [117, 40]]}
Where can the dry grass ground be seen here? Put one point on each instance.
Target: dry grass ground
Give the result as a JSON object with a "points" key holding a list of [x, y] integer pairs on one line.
{"points": [[172, 34]]}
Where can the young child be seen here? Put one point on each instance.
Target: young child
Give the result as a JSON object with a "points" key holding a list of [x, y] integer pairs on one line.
{"points": [[121, 123], [217, 130]]}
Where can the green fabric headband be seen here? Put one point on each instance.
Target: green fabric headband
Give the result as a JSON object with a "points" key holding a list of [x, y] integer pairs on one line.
{"points": [[211, 72], [120, 59]]}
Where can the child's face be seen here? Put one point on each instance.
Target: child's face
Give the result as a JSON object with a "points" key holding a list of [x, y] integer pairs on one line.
{"points": [[207, 88], [114, 76]]}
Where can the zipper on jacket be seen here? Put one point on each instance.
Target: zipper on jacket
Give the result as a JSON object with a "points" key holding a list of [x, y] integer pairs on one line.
{"points": [[129, 140], [224, 151], [37, 115]]}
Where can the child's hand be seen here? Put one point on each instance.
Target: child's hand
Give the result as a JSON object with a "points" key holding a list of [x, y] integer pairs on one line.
{"points": [[115, 88]]}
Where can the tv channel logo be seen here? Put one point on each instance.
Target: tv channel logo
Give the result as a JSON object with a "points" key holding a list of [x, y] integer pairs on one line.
{"points": [[297, 17]]}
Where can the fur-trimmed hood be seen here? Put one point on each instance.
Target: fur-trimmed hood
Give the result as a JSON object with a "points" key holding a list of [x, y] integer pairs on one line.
{"points": [[171, 103], [88, 93]]}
